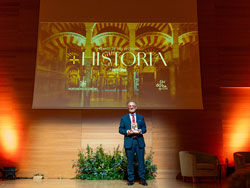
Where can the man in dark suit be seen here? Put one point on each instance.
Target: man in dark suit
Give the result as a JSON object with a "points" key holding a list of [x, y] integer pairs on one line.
{"points": [[133, 126]]}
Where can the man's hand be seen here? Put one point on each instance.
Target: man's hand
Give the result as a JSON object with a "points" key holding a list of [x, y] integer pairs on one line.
{"points": [[130, 132], [138, 131]]}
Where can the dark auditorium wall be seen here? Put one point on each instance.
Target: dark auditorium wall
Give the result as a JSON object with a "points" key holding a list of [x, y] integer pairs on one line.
{"points": [[48, 140], [233, 49]]}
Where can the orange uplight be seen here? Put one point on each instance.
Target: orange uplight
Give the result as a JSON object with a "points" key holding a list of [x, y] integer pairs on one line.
{"points": [[10, 124], [240, 134], [236, 120], [9, 136]]}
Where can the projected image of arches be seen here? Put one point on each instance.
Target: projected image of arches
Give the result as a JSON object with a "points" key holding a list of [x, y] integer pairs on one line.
{"points": [[103, 65]]}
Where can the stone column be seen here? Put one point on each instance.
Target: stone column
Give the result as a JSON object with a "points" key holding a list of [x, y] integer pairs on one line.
{"points": [[175, 58], [88, 52], [61, 67], [130, 68], [175, 34], [88, 63]]}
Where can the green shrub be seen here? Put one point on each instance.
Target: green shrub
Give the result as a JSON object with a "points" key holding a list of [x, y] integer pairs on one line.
{"points": [[106, 166]]}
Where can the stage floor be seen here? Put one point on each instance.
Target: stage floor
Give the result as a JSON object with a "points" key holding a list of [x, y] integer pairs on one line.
{"points": [[68, 183]]}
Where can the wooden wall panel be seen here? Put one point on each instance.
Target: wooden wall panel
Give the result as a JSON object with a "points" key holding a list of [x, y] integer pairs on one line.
{"points": [[235, 120], [52, 143], [183, 131], [233, 29]]}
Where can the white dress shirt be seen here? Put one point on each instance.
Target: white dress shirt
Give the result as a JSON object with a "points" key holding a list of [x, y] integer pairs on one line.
{"points": [[130, 115]]}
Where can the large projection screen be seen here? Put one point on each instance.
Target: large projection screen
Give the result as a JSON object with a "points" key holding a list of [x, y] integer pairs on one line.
{"points": [[101, 55]]}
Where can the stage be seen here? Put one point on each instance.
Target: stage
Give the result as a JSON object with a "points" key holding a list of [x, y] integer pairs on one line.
{"points": [[186, 63], [69, 183]]}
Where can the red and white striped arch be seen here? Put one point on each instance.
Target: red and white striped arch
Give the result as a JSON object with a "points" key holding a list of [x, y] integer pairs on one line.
{"points": [[63, 40], [103, 27], [157, 40], [189, 37], [111, 39]]}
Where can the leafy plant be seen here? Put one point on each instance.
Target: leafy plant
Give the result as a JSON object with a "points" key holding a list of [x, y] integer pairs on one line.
{"points": [[106, 166]]}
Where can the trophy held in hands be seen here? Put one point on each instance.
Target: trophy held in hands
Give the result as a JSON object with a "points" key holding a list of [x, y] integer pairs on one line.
{"points": [[134, 128]]}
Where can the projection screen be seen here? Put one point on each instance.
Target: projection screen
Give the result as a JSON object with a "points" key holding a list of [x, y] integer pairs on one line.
{"points": [[86, 59]]}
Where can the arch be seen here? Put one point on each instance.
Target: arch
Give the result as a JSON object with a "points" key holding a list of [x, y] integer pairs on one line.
{"points": [[158, 40], [104, 27]]}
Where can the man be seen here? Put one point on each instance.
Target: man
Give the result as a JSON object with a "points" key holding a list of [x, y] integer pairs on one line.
{"points": [[134, 142]]}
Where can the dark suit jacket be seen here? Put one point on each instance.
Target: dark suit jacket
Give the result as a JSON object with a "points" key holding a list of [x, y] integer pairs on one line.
{"points": [[125, 125]]}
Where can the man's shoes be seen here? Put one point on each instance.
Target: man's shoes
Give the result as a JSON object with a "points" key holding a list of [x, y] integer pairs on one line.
{"points": [[130, 183], [144, 183]]}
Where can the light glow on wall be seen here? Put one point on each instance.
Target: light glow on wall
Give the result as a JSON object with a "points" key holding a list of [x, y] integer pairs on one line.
{"points": [[235, 120], [240, 133], [9, 136], [10, 125]]}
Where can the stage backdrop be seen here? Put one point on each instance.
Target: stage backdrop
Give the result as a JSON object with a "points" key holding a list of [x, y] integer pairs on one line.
{"points": [[83, 63]]}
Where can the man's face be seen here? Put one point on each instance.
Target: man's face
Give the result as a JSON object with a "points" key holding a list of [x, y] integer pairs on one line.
{"points": [[132, 107]]}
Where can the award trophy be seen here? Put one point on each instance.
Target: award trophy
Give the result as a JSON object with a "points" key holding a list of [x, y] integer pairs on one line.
{"points": [[134, 127]]}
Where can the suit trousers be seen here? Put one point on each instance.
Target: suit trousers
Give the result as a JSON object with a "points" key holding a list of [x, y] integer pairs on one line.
{"points": [[140, 159]]}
